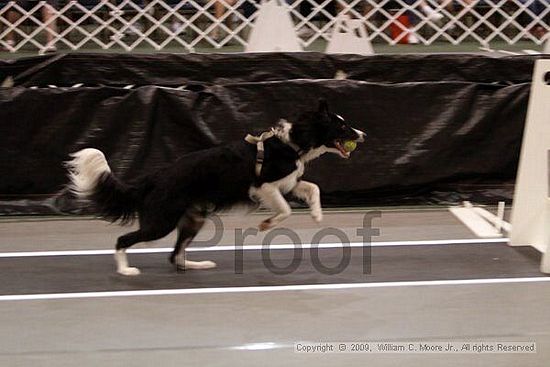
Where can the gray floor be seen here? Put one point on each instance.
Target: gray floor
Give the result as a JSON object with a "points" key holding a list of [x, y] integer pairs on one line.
{"points": [[40, 234], [220, 329]]}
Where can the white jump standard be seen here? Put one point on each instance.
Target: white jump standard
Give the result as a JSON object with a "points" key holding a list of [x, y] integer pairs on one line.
{"points": [[531, 210]]}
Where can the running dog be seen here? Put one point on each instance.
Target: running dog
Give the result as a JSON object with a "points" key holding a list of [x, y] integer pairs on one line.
{"points": [[256, 170]]}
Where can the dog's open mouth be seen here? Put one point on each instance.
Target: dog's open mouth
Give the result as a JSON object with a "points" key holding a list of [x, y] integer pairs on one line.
{"points": [[341, 150]]}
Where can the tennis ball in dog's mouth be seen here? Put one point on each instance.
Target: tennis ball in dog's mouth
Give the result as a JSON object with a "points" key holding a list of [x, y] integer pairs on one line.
{"points": [[350, 146]]}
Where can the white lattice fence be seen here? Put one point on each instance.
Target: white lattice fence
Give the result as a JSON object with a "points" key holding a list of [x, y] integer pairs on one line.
{"points": [[189, 24]]}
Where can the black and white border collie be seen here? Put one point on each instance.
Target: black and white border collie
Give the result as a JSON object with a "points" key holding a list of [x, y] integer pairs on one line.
{"points": [[181, 195]]}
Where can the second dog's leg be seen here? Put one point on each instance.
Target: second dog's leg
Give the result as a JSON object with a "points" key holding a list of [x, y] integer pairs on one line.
{"points": [[188, 227], [271, 197], [310, 193], [122, 264], [129, 239], [151, 228]]}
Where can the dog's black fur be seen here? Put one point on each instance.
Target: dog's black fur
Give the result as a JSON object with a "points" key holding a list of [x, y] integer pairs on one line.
{"points": [[182, 194]]}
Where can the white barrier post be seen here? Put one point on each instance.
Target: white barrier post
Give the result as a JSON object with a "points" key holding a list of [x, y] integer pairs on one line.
{"points": [[531, 209], [547, 46], [273, 30], [349, 36]]}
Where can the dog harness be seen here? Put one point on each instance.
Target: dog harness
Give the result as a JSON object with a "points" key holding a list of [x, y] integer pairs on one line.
{"points": [[259, 141], [260, 150]]}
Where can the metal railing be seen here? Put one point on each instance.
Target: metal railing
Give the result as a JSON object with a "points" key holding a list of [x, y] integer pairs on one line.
{"points": [[189, 24]]}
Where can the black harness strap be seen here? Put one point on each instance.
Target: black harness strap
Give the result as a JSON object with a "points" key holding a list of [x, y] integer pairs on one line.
{"points": [[260, 150]]}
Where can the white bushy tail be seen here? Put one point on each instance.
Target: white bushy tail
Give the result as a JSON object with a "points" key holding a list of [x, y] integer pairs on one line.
{"points": [[85, 170], [91, 180]]}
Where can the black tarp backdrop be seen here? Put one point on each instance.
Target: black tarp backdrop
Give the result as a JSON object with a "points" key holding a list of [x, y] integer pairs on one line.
{"points": [[440, 128], [176, 70]]}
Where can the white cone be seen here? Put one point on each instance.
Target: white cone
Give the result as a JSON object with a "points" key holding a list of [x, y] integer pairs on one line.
{"points": [[273, 30], [349, 36]]}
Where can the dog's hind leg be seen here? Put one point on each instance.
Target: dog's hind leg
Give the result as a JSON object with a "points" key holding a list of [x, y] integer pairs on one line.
{"points": [[149, 232], [271, 197], [188, 226], [310, 193]]}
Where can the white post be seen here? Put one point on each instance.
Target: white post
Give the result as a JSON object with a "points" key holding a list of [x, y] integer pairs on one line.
{"points": [[500, 216], [531, 207]]}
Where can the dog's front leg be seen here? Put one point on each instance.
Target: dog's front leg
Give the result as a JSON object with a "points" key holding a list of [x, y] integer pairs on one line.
{"points": [[310, 193], [272, 198]]}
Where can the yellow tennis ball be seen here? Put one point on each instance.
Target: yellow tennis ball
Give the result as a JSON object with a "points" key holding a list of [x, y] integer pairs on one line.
{"points": [[350, 146]]}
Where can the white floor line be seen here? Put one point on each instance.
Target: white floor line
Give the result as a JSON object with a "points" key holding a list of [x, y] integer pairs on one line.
{"points": [[258, 289], [256, 247]]}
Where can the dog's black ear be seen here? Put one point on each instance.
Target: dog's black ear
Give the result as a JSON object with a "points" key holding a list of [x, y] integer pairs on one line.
{"points": [[323, 106]]}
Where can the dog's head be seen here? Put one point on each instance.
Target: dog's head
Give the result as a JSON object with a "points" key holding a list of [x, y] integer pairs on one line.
{"points": [[325, 131]]}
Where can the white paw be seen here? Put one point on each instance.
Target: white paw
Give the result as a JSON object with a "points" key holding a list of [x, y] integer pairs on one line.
{"points": [[129, 271], [199, 264], [317, 216]]}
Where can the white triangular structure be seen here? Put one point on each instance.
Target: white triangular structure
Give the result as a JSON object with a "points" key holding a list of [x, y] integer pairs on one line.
{"points": [[531, 209], [475, 223], [273, 30], [349, 36], [480, 221]]}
